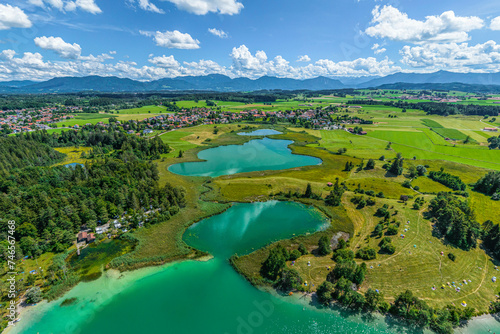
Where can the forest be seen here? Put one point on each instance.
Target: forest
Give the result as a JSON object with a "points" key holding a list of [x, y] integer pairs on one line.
{"points": [[455, 220], [107, 139], [18, 152]]}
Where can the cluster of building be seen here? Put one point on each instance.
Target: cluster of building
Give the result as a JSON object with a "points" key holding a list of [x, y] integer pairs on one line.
{"points": [[24, 120]]}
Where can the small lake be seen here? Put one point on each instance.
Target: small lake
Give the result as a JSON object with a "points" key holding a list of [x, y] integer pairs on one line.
{"points": [[73, 165], [256, 155], [202, 297], [260, 132]]}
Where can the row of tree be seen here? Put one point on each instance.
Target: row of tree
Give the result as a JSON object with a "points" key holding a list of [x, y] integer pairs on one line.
{"points": [[451, 181]]}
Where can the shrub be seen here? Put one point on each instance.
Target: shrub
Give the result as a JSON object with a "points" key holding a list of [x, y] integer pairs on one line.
{"points": [[294, 255], [386, 246], [392, 230], [303, 249], [452, 256], [366, 253], [342, 255], [324, 246]]}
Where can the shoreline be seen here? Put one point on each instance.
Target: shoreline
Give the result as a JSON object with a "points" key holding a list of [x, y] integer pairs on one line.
{"points": [[113, 280]]}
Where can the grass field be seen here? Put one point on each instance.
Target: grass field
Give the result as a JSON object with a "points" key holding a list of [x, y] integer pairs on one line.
{"points": [[82, 119], [73, 154], [143, 110], [450, 133]]}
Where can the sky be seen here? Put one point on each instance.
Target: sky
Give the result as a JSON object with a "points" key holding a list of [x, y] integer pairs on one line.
{"points": [[153, 39]]}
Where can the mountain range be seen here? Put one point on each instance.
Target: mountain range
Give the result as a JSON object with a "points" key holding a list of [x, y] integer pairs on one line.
{"points": [[221, 83]]}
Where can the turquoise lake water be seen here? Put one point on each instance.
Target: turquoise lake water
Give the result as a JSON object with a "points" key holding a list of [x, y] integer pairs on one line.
{"points": [[260, 132], [203, 297], [74, 164], [256, 155]]}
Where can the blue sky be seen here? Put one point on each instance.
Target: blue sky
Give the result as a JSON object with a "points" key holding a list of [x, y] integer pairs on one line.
{"points": [[152, 39]]}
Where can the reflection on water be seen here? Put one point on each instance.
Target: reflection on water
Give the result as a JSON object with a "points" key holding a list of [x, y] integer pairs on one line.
{"points": [[256, 155]]}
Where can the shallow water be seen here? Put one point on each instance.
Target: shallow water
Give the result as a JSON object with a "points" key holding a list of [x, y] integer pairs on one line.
{"points": [[200, 297], [205, 297], [256, 155], [260, 132], [74, 164]]}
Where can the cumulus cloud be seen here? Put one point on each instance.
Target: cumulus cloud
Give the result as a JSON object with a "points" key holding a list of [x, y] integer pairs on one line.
{"points": [[304, 58], [495, 23], [164, 61], [59, 46], [218, 33], [377, 49], [86, 5], [173, 39], [389, 22], [13, 17], [203, 7], [32, 66], [452, 56], [253, 66]]}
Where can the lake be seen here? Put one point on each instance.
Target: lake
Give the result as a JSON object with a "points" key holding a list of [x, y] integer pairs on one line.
{"points": [[256, 155], [202, 297], [73, 165], [260, 132]]}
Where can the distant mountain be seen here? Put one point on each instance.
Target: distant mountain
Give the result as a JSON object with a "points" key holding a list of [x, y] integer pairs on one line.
{"points": [[458, 86], [15, 83], [214, 82], [90, 83], [221, 83], [436, 77]]}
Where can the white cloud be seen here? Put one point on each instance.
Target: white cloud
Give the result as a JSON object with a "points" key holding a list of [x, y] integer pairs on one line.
{"points": [[495, 23], [147, 5], [380, 51], [36, 2], [67, 5], [59, 46], [173, 39], [389, 22], [70, 6], [452, 56], [164, 61], [244, 64], [88, 6], [56, 4], [253, 66], [203, 7], [304, 58], [218, 33], [13, 17]]}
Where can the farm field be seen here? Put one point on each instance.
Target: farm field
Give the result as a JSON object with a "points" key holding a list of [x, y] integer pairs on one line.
{"points": [[143, 110], [82, 119]]}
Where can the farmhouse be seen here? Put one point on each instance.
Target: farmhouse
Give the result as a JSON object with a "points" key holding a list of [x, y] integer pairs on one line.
{"points": [[85, 237], [491, 129]]}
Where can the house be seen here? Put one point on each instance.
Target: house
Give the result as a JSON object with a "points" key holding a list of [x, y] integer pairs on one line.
{"points": [[491, 129], [85, 237], [102, 229], [147, 131], [82, 236], [90, 238]]}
